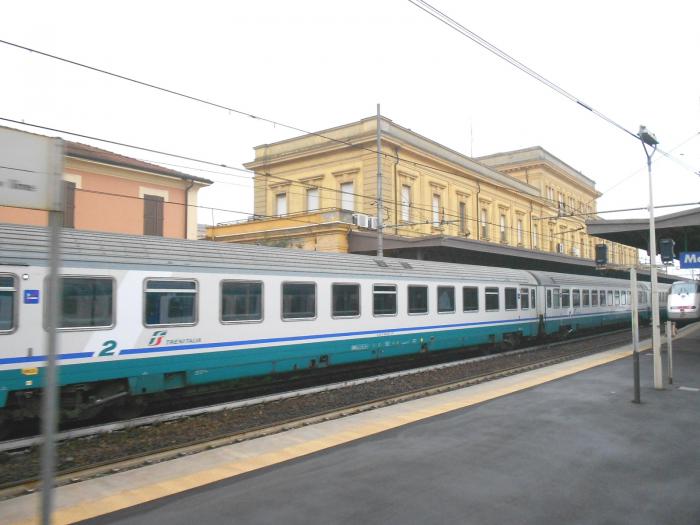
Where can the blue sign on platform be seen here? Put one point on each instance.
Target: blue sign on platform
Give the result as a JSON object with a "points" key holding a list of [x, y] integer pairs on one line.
{"points": [[690, 259], [31, 297]]}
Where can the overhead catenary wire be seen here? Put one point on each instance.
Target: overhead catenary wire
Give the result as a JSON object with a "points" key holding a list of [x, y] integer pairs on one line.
{"points": [[298, 220], [476, 219], [231, 109], [419, 3]]}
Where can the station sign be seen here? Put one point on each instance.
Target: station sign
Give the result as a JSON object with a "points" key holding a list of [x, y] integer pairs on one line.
{"points": [[31, 168], [690, 259]]}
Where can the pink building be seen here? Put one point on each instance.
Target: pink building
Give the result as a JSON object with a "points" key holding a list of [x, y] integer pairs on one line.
{"points": [[108, 192]]}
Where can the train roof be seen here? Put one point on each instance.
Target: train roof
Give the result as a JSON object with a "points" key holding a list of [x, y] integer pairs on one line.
{"points": [[565, 279], [28, 245]]}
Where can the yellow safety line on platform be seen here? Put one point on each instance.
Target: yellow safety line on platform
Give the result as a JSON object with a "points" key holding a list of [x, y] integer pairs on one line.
{"points": [[136, 496]]}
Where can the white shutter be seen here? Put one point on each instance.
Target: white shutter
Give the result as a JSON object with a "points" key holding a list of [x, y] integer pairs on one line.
{"points": [[347, 199], [405, 203], [281, 205], [312, 199]]}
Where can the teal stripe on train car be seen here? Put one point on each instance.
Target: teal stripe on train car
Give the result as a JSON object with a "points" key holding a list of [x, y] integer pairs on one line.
{"points": [[209, 367]]}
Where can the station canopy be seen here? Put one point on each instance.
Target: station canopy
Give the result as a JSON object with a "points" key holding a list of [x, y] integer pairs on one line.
{"points": [[683, 227]]}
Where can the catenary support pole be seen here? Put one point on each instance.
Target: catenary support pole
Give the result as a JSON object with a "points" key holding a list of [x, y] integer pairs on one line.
{"points": [[635, 333], [655, 320], [380, 189], [49, 396]]}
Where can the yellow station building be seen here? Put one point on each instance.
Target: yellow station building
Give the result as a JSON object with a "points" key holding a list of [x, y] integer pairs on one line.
{"points": [[312, 191]]}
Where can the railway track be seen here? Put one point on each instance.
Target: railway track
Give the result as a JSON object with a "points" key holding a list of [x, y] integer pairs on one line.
{"points": [[101, 449]]}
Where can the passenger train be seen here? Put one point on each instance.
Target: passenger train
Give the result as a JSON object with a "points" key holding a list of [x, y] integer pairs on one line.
{"points": [[684, 301], [145, 316]]}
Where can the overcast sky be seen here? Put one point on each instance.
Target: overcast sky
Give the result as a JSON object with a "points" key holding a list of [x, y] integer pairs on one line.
{"points": [[319, 64]]}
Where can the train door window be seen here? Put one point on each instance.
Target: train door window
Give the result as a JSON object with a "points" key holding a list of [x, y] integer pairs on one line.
{"points": [[86, 302], [8, 302], [470, 299], [609, 294], [623, 297], [524, 299], [346, 300], [565, 298], [576, 298], [629, 297], [594, 297], [417, 300], [602, 298], [617, 297], [241, 301], [384, 302], [533, 298], [549, 298], [556, 298], [511, 298], [298, 301], [446, 299], [585, 297], [491, 294], [170, 302]]}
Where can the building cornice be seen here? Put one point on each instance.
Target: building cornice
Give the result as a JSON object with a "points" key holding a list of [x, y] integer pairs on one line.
{"points": [[362, 134]]}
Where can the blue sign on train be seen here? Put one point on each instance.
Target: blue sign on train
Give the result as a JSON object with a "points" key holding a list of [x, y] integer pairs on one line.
{"points": [[31, 297], [690, 259]]}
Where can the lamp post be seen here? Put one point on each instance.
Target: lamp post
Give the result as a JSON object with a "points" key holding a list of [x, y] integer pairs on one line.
{"points": [[649, 143]]}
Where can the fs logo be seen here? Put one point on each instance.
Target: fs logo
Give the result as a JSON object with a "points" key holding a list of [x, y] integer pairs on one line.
{"points": [[157, 337]]}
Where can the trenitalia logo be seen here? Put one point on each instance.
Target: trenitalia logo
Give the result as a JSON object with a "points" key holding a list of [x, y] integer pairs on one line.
{"points": [[157, 337]]}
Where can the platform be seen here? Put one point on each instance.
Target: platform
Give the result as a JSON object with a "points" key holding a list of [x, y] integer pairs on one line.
{"points": [[557, 445]]}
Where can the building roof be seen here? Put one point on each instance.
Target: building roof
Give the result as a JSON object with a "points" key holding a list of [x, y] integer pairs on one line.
{"points": [[534, 154], [77, 150], [83, 151], [357, 134], [682, 226]]}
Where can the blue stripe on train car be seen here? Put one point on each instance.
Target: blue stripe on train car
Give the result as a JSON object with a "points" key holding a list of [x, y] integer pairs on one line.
{"points": [[223, 365]]}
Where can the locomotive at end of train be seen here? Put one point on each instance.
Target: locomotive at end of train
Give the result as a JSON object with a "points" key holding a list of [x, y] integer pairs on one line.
{"points": [[684, 302], [147, 318]]}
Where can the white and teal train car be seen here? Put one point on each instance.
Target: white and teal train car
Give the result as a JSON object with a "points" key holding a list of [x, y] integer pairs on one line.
{"points": [[143, 316]]}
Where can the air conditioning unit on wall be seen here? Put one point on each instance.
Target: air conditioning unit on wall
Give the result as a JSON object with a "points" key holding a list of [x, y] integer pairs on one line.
{"points": [[361, 220], [373, 223]]}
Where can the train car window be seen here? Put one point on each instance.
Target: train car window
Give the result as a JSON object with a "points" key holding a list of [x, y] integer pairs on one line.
{"points": [[556, 298], [384, 302], [8, 300], [417, 299], [610, 297], [511, 298], [594, 297], [298, 300], [629, 297], [585, 297], [86, 302], [491, 301], [533, 296], [170, 302], [576, 298], [446, 299], [549, 298], [565, 298], [346, 300], [524, 299], [617, 297], [470, 299], [241, 301], [623, 297]]}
